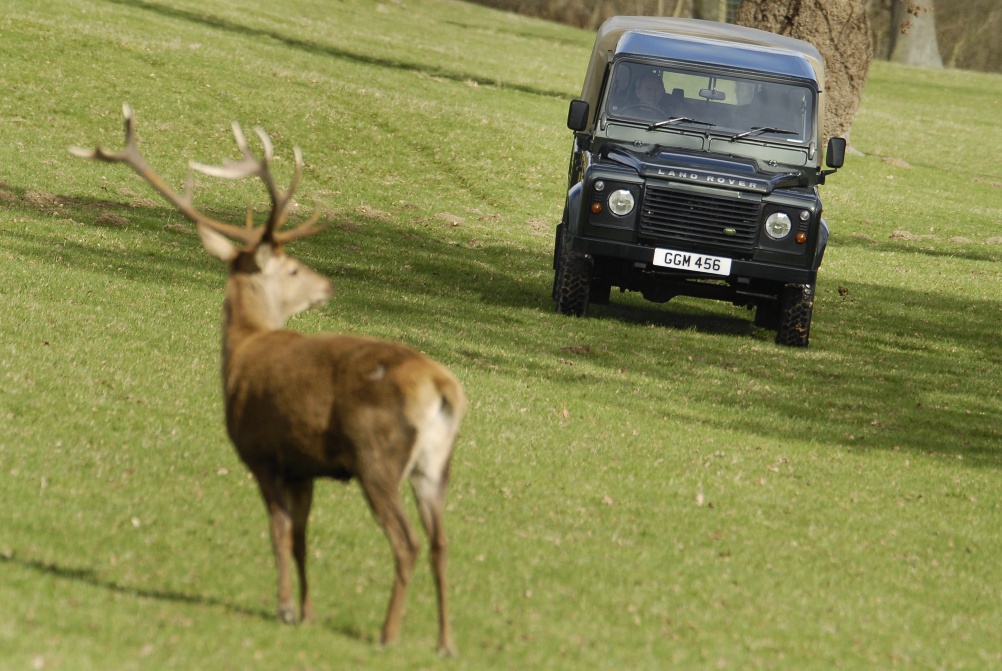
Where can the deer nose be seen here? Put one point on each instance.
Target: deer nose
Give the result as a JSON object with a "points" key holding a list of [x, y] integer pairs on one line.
{"points": [[326, 292]]}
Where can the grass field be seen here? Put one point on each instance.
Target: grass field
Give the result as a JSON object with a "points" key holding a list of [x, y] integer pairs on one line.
{"points": [[651, 487]]}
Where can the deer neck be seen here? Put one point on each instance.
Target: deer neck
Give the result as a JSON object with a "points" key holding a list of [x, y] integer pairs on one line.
{"points": [[247, 312]]}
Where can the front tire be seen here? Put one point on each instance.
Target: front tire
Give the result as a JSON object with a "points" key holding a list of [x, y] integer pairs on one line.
{"points": [[795, 313], [571, 278]]}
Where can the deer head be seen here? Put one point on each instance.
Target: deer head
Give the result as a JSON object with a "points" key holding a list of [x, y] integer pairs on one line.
{"points": [[274, 285]]}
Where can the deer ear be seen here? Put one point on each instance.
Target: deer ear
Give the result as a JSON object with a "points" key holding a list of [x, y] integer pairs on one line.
{"points": [[216, 244], [263, 254]]}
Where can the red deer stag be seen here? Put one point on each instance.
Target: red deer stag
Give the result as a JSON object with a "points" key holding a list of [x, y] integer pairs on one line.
{"points": [[301, 407]]}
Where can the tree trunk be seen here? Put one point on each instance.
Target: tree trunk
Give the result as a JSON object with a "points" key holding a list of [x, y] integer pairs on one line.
{"points": [[840, 29], [914, 34], [706, 9], [970, 34], [879, 12]]}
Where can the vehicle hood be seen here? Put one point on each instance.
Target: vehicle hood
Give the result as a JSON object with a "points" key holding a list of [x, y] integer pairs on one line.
{"points": [[731, 172]]}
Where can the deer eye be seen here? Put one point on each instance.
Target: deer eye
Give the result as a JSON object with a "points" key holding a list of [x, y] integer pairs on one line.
{"points": [[294, 272]]}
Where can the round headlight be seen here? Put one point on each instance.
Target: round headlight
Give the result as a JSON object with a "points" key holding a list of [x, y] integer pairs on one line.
{"points": [[778, 225], [621, 202]]}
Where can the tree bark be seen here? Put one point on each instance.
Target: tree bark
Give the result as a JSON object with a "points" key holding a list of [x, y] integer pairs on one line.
{"points": [[840, 29], [914, 34], [708, 10]]}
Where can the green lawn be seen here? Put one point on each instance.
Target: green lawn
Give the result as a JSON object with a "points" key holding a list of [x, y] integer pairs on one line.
{"points": [[655, 486]]}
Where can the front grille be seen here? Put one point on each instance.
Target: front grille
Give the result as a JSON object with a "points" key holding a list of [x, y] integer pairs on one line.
{"points": [[697, 220]]}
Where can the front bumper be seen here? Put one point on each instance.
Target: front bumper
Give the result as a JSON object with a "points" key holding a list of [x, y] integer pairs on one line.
{"points": [[740, 268]]}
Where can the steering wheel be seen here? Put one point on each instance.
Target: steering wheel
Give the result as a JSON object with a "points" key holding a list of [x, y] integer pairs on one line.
{"points": [[643, 107]]}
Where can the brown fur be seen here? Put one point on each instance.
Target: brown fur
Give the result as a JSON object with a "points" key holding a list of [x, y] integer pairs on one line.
{"points": [[340, 406], [302, 407]]}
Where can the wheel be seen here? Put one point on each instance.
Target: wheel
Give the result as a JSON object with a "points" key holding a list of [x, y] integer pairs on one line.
{"points": [[795, 311], [571, 277]]}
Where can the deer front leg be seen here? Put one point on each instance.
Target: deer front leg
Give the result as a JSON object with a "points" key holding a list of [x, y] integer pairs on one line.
{"points": [[302, 499], [281, 540], [276, 500]]}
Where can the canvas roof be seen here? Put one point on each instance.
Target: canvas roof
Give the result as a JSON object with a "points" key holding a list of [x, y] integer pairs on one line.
{"points": [[612, 31]]}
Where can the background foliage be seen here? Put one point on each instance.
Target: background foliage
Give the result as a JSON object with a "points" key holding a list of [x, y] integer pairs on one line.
{"points": [[969, 32], [652, 486]]}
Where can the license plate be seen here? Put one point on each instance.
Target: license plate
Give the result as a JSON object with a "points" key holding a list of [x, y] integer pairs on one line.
{"points": [[697, 263]]}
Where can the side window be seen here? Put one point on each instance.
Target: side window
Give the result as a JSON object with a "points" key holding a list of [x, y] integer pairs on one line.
{"points": [[621, 94]]}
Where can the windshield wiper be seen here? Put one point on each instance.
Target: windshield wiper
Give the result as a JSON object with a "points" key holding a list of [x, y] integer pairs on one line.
{"points": [[675, 120], [763, 129]]}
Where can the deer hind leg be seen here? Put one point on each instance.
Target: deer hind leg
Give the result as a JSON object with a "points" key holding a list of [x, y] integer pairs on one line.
{"points": [[277, 500], [429, 494], [383, 495]]}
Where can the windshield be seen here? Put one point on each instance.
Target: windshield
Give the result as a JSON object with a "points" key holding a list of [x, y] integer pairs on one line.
{"points": [[737, 107]]}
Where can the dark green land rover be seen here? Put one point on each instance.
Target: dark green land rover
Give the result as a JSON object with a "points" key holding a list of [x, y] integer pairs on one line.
{"points": [[695, 169]]}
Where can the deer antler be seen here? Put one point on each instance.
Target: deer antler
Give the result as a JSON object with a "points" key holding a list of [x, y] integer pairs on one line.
{"points": [[248, 166]]}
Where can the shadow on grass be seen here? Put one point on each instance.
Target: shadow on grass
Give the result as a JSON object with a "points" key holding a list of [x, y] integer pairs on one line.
{"points": [[889, 367], [333, 52], [675, 315], [988, 253], [552, 37], [90, 577], [418, 261], [158, 268]]}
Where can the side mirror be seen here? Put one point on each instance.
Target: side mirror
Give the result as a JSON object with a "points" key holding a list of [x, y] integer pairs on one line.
{"points": [[835, 154], [577, 115]]}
